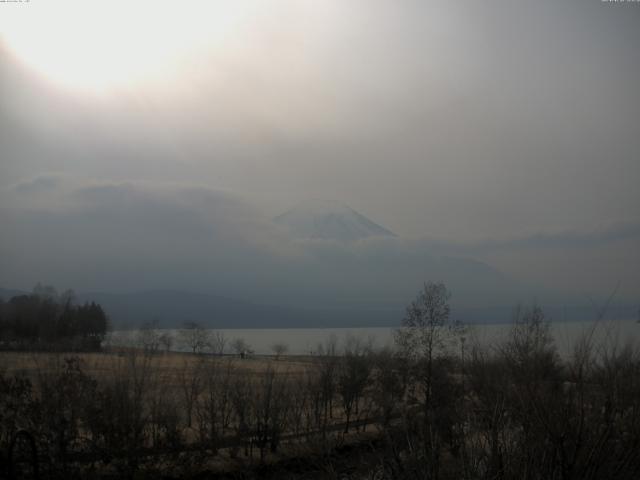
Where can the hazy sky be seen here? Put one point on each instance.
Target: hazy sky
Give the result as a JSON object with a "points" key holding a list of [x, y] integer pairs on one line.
{"points": [[504, 131]]}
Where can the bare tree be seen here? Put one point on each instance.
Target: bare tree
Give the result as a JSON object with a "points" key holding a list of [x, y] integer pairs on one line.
{"points": [[240, 346], [426, 324], [215, 407], [427, 330], [148, 337], [194, 337], [299, 410], [353, 377], [327, 366], [389, 387], [191, 381], [218, 343], [241, 393], [279, 349], [269, 406], [166, 340], [423, 340]]}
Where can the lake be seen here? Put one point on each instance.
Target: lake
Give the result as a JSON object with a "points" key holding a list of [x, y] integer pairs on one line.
{"points": [[304, 341]]}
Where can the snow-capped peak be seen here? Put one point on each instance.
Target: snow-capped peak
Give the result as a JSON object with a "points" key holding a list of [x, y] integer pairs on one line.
{"points": [[329, 220]]}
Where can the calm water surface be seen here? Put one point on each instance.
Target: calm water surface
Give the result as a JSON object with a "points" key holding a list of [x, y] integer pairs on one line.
{"points": [[303, 341]]}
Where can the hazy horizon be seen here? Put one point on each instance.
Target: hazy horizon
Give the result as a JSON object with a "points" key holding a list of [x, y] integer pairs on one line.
{"points": [[498, 142]]}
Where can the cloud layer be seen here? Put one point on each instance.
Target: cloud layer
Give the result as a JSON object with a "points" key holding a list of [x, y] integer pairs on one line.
{"points": [[503, 133]]}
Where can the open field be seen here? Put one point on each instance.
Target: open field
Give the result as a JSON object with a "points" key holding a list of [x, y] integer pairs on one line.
{"points": [[168, 364], [222, 412]]}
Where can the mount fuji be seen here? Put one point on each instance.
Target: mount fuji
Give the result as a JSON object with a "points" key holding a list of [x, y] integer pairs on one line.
{"points": [[329, 220]]}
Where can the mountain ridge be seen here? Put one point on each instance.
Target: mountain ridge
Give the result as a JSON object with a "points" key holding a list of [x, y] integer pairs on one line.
{"points": [[329, 220]]}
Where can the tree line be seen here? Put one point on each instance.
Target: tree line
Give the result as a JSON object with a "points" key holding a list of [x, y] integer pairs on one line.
{"points": [[45, 320]]}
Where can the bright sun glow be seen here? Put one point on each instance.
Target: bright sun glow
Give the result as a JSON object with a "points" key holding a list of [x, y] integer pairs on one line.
{"points": [[98, 45]]}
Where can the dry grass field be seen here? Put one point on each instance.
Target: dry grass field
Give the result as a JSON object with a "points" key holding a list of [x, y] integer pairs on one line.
{"points": [[168, 365], [226, 413]]}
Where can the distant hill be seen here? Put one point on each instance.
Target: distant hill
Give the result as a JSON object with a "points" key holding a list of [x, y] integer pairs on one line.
{"points": [[6, 293], [327, 220], [172, 308]]}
